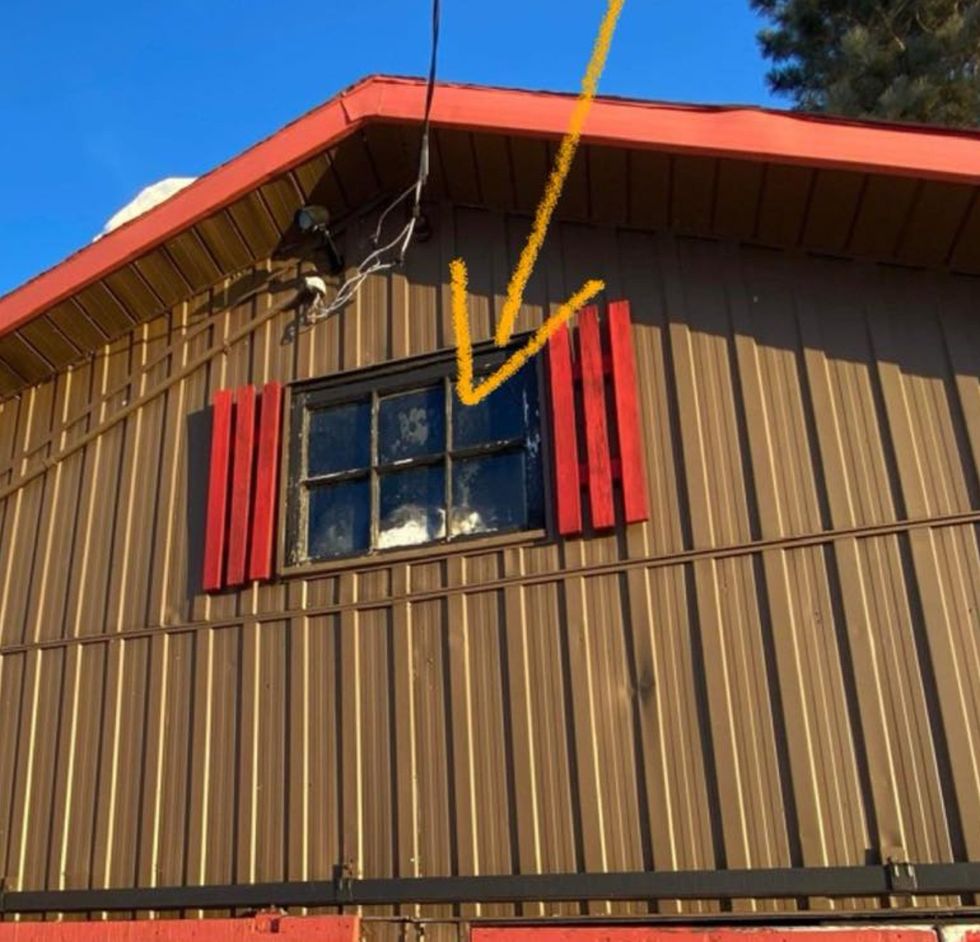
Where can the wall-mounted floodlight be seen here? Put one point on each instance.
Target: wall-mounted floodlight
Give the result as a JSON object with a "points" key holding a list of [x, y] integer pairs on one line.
{"points": [[312, 218], [315, 221]]}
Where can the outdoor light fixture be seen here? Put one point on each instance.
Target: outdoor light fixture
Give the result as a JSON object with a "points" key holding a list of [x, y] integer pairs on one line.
{"points": [[315, 221], [312, 218]]}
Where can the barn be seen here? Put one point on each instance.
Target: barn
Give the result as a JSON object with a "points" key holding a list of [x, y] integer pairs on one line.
{"points": [[676, 632]]}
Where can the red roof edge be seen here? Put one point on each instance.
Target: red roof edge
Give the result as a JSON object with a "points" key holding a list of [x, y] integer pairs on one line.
{"points": [[747, 133]]}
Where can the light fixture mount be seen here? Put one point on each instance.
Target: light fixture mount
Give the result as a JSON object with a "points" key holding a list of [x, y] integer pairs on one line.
{"points": [[314, 221]]}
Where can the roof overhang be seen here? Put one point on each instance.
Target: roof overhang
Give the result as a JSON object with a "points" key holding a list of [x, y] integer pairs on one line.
{"points": [[731, 132], [738, 133]]}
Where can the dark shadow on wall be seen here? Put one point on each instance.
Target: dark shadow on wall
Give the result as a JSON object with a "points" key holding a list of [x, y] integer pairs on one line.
{"points": [[198, 450]]}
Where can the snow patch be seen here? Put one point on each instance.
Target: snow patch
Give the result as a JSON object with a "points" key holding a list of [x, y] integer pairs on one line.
{"points": [[145, 200]]}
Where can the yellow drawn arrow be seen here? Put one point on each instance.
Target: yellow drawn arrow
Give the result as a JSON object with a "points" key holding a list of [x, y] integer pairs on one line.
{"points": [[468, 393]]}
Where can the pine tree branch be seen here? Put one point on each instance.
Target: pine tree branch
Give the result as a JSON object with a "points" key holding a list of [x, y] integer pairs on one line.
{"points": [[889, 26]]}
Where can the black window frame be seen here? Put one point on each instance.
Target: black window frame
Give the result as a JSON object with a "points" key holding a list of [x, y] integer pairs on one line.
{"points": [[380, 381]]}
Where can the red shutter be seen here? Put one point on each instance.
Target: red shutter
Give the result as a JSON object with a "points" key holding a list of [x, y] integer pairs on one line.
{"points": [[242, 487], [242, 467], [214, 537], [594, 406], [632, 473], [601, 468], [266, 481], [568, 487]]}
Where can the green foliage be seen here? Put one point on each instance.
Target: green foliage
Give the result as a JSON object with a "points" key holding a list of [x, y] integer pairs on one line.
{"points": [[909, 60]]}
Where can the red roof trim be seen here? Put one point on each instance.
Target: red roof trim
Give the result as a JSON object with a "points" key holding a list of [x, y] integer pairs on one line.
{"points": [[748, 133]]}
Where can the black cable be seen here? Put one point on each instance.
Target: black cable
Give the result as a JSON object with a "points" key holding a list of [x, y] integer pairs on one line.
{"points": [[374, 263], [423, 166], [429, 95], [436, 15]]}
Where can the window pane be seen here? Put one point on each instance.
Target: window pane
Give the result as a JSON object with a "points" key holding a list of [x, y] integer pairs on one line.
{"points": [[504, 414], [340, 438], [412, 506], [411, 425], [339, 519], [489, 494]]}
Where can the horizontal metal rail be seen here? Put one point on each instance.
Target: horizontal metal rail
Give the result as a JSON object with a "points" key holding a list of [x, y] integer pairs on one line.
{"points": [[948, 879], [371, 564]]}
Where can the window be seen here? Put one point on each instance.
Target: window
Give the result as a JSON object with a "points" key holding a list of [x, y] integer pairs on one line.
{"points": [[393, 459]]}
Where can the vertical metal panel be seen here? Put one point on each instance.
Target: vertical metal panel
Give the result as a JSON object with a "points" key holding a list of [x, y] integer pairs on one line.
{"points": [[779, 668], [682, 803]]}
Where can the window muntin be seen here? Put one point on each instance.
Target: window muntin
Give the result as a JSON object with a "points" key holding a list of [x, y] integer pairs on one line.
{"points": [[398, 461]]}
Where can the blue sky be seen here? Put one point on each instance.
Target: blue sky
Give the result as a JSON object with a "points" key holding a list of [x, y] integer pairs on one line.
{"points": [[99, 99]]}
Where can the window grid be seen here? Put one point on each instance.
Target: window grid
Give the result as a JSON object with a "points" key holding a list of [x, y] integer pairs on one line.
{"points": [[376, 471]]}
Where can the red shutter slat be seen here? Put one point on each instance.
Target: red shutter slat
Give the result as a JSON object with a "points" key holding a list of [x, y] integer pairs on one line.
{"points": [[625, 396], [243, 461], [568, 490], [218, 477], [596, 436], [266, 476]]}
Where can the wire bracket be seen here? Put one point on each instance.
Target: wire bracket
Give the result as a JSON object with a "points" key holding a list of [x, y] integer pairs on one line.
{"points": [[901, 876]]}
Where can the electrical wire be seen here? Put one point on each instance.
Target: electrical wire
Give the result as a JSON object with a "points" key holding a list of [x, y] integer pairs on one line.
{"points": [[380, 259]]}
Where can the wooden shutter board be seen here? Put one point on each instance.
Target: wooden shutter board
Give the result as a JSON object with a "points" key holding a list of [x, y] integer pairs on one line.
{"points": [[243, 462], [266, 483], [632, 472], [596, 433], [218, 482], [564, 435]]}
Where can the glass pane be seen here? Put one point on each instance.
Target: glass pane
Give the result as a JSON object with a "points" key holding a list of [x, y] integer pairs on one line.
{"points": [[339, 519], [412, 506], [411, 425], [504, 414], [489, 494], [340, 438]]}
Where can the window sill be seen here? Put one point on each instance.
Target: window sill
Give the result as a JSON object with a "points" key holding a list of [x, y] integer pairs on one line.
{"points": [[427, 553]]}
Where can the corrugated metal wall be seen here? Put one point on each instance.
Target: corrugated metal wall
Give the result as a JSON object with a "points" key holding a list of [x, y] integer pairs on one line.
{"points": [[781, 668]]}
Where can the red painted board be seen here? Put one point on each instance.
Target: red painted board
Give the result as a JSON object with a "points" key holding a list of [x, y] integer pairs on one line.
{"points": [[607, 933], [218, 480], [266, 483], [568, 492], [242, 465], [596, 435], [626, 398], [287, 928]]}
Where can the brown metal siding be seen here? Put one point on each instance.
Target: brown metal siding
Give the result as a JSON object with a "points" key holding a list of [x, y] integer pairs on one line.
{"points": [[781, 668]]}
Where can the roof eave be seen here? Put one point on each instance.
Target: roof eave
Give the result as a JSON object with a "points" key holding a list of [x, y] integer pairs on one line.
{"points": [[745, 133]]}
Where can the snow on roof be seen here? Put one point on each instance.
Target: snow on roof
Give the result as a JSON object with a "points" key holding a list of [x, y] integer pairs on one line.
{"points": [[145, 200]]}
